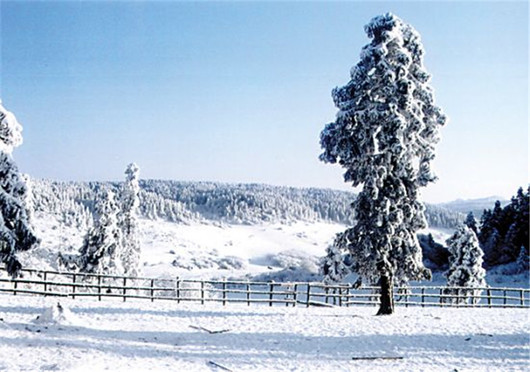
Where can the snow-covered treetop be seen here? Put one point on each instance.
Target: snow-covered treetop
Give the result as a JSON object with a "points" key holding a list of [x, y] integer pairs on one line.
{"points": [[388, 94], [10, 131], [132, 172]]}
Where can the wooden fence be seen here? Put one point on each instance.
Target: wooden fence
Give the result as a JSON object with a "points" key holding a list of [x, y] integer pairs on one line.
{"points": [[80, 285]]}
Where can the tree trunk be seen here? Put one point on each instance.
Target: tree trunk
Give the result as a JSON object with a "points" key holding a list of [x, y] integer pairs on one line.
{"points": [[387, 295]]}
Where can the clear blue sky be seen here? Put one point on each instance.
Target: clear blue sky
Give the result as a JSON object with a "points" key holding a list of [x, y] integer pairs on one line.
{"points": [[239, 91]]}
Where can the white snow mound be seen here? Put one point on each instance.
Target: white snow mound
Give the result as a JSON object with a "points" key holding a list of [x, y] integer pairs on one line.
{"points": [[57, 314]]}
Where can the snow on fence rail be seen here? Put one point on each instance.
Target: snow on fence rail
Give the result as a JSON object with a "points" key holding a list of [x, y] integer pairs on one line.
{"points": [[78, 285]]}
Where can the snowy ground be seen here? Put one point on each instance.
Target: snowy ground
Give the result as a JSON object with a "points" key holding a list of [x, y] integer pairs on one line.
{"points": [[159, 336], [201, 250], [268, 251]]}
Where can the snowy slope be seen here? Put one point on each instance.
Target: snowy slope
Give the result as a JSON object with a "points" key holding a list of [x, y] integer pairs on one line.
{"points": [[202, 249], [266, 251], [164, 336]]}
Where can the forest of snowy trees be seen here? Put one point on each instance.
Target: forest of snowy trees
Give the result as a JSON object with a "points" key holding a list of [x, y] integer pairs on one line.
{"points": [[186, 202]]}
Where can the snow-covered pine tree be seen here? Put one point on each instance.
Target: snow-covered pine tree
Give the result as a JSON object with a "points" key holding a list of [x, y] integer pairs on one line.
{"points": [[465, 265], [471, 222], [128, 221], [384, 136], [100, 252], [16, 233]]}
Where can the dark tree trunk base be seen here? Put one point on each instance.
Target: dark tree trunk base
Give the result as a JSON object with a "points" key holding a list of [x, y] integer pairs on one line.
{"points": [[387, 295]]}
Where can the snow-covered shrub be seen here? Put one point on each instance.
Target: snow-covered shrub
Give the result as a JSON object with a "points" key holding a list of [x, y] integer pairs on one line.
{"points": [[16, 233], [384, 136], [293, 259], [465, 265]]}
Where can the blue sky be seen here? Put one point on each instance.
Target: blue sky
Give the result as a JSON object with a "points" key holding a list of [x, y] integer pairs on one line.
{"points": [[239, 91]]}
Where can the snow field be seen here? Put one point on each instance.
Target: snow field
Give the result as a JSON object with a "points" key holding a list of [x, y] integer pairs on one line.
{"points": [[165, 336]]}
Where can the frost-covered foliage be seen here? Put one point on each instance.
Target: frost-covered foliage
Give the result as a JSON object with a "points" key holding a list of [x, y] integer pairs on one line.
{"points": [[101, 250], [384, 136], [332, 266], [471, 222], [254, 203], [72, 203], [504, 230], [128, 221], [465, 265], [16, 233], [440, 216]]}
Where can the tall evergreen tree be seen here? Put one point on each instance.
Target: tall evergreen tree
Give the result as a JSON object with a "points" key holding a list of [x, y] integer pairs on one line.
{"points": [[465, 264], [128, 221], [16, 233], [101, 249], [384, 136]]}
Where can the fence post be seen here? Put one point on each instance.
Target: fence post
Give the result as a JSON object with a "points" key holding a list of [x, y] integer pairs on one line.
{"points": [[224, 292], [295, 296], [248, 293], [74, 286], [99, 287], [177, 284], [152, 290], [45, 284], [423, 297], [308, 294], [489, 297], [521, 294], [124, 289], [504, 295], [441, 298], [340, 296], [271, 293], [202, 292], [15, 287]]}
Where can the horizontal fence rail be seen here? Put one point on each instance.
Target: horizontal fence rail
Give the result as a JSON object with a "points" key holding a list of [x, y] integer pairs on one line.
{"points": [[81, 285]]}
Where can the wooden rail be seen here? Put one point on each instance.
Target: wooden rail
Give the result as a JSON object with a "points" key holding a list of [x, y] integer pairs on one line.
{"points": [[81, 285]]}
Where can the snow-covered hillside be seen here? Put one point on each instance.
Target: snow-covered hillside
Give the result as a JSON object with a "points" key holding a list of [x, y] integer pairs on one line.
{"points": [[187, 202], [212, 230], [37, 333]]}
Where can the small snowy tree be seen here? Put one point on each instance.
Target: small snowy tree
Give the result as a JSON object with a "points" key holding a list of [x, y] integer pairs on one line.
{"points": [[465, 265], [332, 265], [128, 220], [384, 136], [100, 253], [16, 233], [523, 260], [471, 222]]}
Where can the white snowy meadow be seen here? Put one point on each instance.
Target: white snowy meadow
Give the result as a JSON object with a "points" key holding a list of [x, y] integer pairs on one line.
{"points": [[140, 336]]}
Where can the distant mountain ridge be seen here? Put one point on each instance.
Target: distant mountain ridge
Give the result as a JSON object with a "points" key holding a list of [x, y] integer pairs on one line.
{"points": [[477, 206]]}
